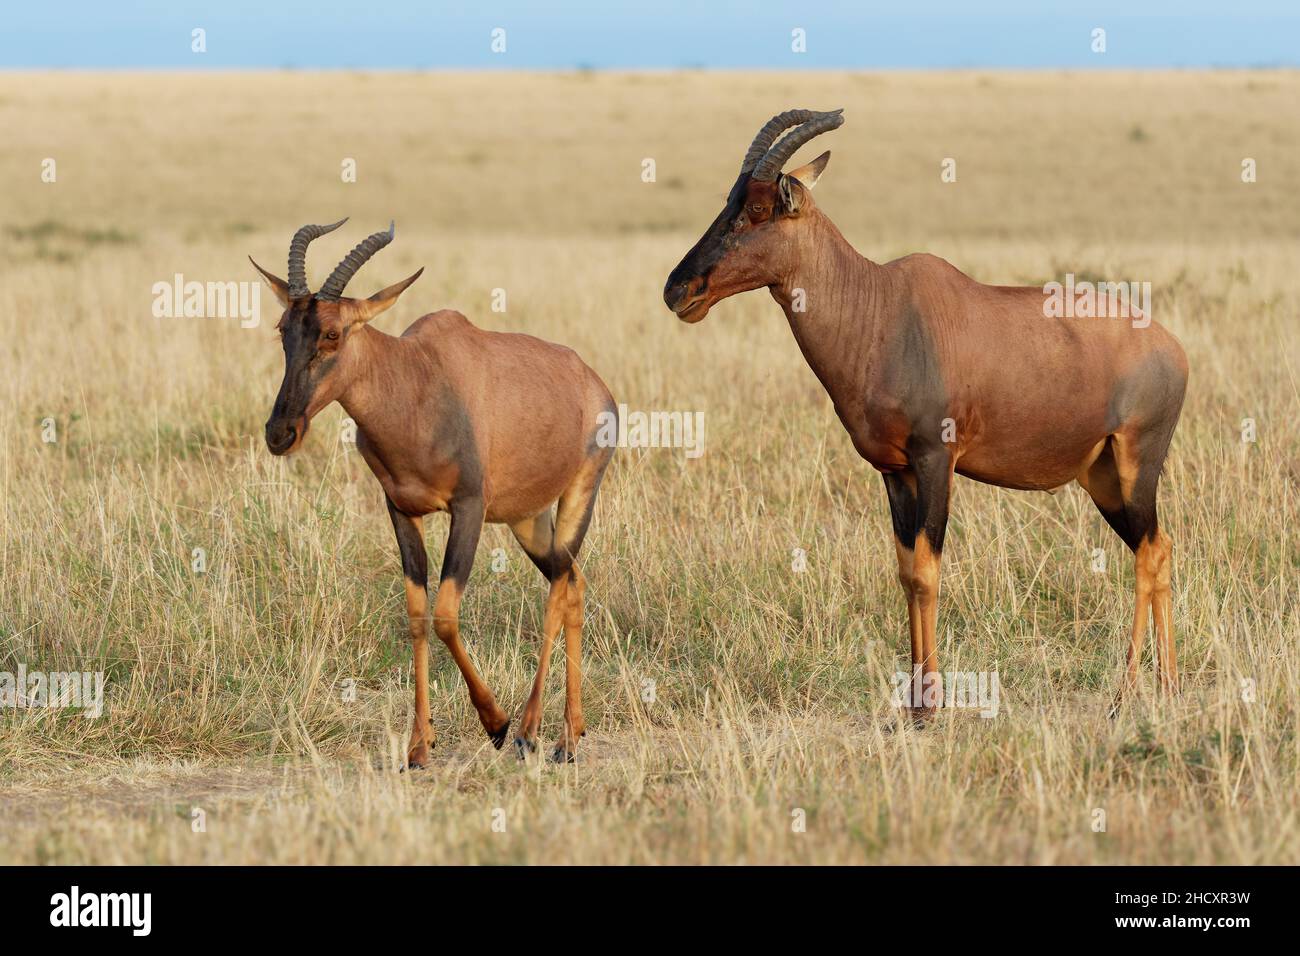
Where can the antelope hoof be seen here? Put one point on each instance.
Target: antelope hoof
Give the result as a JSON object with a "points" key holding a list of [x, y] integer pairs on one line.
{"points": [[921, 716], [1117, 705], [524, 747], [498, 736], [566, 748], [417, 758]]}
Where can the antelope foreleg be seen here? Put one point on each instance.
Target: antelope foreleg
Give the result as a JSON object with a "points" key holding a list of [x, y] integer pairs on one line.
{"points": [[925, 591], [415, 570], [918, 506]]}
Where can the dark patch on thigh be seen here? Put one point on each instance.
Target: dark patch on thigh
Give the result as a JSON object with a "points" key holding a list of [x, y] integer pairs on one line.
{"points": [[594, 447], [1150, 395], [543, 562], [1118, 521]]}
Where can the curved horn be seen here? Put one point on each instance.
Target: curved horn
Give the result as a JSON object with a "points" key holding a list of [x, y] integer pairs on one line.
{"points": [[298, 256], [773, 128], [769, 167], [354, 260]]}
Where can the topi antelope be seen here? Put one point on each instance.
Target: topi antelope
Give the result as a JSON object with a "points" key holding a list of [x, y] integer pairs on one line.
{"points": [[487, 426], [932, 373]]}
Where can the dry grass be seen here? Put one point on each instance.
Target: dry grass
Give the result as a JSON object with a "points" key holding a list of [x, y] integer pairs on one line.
{"points": [[771, 687]]}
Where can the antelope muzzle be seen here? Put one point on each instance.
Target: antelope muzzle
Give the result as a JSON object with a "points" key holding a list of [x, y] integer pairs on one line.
{"points": [[686, 297], [284, 434]]}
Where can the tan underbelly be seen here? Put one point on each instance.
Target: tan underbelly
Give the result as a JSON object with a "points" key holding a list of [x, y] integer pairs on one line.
{"points": [[1029, 468], [518, 500]]}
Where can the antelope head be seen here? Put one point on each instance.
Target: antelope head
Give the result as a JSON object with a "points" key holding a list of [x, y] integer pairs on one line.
{"points": [[316, 330], [749, 242]]}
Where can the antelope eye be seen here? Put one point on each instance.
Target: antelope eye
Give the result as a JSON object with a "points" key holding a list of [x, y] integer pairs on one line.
{"points": [[331, 335], [756, 210]]}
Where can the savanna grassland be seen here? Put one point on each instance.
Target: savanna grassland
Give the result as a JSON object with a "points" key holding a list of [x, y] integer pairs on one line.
{"points": [[273, 691]]}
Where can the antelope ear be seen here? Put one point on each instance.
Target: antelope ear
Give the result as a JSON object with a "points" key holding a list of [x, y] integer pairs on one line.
{"points": [[278, 285], [808, 175], [367, 309]]}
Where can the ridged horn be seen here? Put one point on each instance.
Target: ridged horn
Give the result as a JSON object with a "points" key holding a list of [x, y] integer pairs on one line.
{"points": [[354, 260], [769, 167], [298, 256], [773, 128]]}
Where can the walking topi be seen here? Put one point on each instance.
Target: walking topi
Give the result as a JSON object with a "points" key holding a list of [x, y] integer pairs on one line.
{"points": [[487, 426]]}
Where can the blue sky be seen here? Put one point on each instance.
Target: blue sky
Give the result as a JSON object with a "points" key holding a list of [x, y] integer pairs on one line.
{"points": [[552, 34]]}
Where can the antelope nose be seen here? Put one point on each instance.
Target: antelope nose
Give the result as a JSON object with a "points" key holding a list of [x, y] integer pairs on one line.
{"points": [[675, 293], [280, 436]]}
